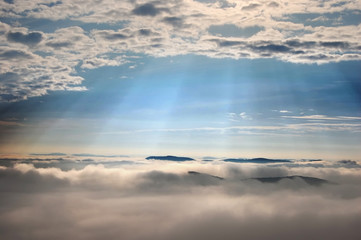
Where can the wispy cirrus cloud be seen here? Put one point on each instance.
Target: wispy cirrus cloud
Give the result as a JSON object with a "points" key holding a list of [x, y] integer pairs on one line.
{"points": [[257, 129], [324, 117]]}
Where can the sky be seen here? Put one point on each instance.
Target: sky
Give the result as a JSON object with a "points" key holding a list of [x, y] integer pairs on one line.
{"points": [[231, 78], [249, 109]]}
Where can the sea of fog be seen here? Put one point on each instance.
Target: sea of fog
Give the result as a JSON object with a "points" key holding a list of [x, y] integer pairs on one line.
{"points": [[84, 196]]}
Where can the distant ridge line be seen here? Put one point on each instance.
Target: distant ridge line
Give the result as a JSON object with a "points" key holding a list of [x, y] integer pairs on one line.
{"points": [[255, 160], [309, 180], [170, 158]]}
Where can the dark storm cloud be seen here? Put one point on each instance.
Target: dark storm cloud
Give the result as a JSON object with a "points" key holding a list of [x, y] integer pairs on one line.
{"points": [[147, 9], [32, 38]]}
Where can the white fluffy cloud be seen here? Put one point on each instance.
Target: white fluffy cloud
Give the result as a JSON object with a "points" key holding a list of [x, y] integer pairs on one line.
{"points": [[262, 29], [161, 201]]}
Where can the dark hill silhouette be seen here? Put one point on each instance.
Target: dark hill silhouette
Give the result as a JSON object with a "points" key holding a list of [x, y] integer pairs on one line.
{"points": [[255, 160], [170, 158], [309, 180], [204, 174]]}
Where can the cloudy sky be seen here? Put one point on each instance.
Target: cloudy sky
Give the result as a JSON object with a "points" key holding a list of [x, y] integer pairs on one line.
{"points": [[90, 88], [233, 78]]}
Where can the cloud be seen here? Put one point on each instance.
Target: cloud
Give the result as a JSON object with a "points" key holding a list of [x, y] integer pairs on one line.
{"points": [[14, 180], [309, 180], [97, 155], [271, 48], [251, 6], [281, 128], [219, 3], [215, 29], [324, 117], [284, 111], [348, 164], [31, 72], [297, 43], [111, 35], [58, 45], [231, 30], [145, 32], [227, 43], [68, 162], [245, 116], [52, 4], [174, 21], [147, 9], [48, 154], [273, 4], [9, 1], [14, 54], [210, 158], [30, 39], [139, 202], [342, 45]]}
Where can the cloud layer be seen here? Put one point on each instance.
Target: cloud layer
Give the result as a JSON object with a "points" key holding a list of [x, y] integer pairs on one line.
{"points": [[37, 62], [157, 200]]}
